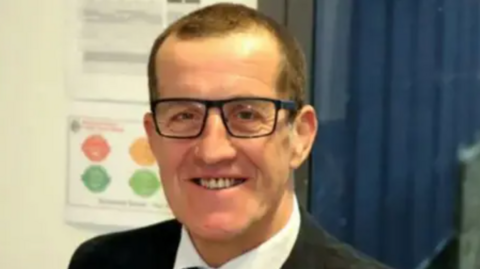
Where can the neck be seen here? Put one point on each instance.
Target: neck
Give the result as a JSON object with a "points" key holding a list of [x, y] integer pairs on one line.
{"points": [[215, 254]]}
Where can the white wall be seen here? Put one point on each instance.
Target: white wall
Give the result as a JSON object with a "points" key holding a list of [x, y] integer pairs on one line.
{"points": [[33, 137]]}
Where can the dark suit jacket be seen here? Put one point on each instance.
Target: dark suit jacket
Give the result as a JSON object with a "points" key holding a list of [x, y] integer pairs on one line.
{"points": [[155, 247]]}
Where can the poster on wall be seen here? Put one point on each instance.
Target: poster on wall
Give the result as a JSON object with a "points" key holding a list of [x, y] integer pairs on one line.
{"points": [[109, 41], [112, 176]]}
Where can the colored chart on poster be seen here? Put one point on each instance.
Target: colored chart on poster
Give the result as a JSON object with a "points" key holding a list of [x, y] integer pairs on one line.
{"points": [[95, 148], [96, 179], [144, 183], [141, 153], [111, 169]]}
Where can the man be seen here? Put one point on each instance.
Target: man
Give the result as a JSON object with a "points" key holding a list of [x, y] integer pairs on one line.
{"points": [[228, 125]]}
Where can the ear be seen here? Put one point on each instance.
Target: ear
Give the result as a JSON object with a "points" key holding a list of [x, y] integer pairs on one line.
{"points": [[149, 125], [304, 133]]}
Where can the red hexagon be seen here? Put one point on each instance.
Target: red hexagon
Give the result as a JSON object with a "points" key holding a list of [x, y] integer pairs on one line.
{"points": [[96, 148]]}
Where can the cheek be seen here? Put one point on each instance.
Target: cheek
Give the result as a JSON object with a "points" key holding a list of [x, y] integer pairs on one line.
{"points": [[271, 159], [169, 155]]}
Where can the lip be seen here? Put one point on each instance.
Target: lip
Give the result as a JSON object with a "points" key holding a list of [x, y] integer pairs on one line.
{"points": [[219, 193], [231, 189], [235, 176]]}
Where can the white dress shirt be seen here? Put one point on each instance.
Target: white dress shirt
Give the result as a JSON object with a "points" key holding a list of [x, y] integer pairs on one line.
{"points": [[272, 254]]}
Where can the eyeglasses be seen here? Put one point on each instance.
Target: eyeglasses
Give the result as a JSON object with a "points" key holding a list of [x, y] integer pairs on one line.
{"points": [[242, 117]]}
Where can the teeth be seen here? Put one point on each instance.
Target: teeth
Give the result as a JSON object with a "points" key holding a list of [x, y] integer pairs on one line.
{"points": [[218, 183]]}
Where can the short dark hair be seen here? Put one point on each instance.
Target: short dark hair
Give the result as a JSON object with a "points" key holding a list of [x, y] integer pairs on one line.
{"points": [[227, 18]]}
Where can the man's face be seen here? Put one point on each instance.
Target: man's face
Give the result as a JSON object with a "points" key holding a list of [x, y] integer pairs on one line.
{"points": [[240, 65]]}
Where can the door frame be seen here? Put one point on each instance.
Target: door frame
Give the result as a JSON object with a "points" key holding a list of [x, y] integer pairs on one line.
{"points": [[298, 16]]}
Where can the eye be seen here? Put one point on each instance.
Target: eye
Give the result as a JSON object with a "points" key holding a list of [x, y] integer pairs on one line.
{"points": [[248, 111], [183, 116], [246, 115]]}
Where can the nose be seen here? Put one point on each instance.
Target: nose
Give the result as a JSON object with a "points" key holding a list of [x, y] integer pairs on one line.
{"points": [[214, 145]]}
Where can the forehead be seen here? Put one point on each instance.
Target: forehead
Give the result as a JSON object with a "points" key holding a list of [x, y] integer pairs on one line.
{"points": [[237, 64]]}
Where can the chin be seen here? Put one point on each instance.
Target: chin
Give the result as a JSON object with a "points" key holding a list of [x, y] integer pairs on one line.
{"points": [[215, 235], [218, 227]]}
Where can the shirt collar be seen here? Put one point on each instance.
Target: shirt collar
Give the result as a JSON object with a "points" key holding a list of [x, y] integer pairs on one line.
{"points": [[271, 254]]}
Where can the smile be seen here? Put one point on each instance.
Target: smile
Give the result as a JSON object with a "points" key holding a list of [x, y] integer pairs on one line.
{"points": [[218, 183]]}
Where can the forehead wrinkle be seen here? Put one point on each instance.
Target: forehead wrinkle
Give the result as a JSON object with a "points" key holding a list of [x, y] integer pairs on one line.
{"points": [[243, 67], [197, 79], [254, 61]]}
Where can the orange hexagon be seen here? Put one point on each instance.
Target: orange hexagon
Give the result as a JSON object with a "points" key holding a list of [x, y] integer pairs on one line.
{"points": [[96, 148], [141, 153]]}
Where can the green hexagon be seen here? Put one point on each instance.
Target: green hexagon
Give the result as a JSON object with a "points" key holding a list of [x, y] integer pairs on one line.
{"points": [[96, 178], [144, 183]]}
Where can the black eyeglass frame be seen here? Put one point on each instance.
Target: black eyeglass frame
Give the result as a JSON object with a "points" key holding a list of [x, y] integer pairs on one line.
{"points": [[279, 104]]}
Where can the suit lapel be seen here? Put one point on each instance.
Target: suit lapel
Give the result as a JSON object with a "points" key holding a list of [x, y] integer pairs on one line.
{"points": [[307, 253], [165, 244]]}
